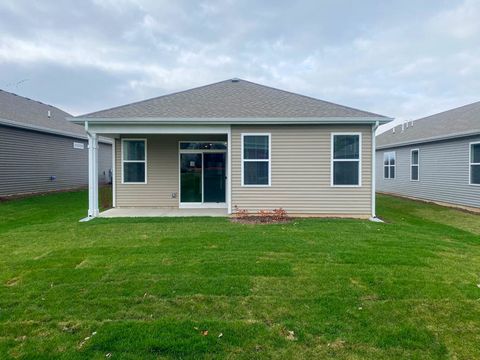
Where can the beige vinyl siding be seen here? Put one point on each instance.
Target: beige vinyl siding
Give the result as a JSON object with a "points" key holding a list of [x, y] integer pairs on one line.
{"points": [[162, 171], [300, 172]]}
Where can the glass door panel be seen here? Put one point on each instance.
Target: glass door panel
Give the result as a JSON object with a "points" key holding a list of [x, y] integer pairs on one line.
{"points": [[191, 178], [214, 177]]}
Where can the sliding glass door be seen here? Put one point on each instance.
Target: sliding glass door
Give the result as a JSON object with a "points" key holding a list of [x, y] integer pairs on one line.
{"points": [[202, 177], [191, 178], [214, 177]]}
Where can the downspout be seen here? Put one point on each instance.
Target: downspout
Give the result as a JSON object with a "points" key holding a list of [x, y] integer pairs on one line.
{"points": [[374, 129], [86, 129]]}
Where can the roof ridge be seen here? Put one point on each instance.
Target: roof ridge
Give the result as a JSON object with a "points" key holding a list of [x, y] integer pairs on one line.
{"points": [[231, 80]]}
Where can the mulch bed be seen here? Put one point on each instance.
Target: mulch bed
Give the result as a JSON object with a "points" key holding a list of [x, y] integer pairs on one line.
{"points": [[260, 220]]}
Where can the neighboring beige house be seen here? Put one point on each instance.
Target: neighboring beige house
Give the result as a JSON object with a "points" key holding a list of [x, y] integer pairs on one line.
{"points": [[238, 144]]}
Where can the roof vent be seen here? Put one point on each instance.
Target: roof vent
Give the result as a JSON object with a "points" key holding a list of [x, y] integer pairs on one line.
{"points": [[49, 114], [235, 80], [393, 130]]}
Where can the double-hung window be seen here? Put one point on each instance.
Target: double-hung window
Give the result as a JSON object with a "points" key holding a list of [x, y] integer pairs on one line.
{"points": [[414, 165], [346, 163], [389, 165], [475, 163], [134, 161], [255, 159]]}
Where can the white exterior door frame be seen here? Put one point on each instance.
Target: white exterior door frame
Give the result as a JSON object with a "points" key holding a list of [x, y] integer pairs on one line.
{"points": [[202, 204]]}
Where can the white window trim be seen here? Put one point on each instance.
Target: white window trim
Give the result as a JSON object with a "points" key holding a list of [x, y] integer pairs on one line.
{"points": [[134, 161], [395, 165], [412, 165], [470, 163], [332, 160], [269, 160]]}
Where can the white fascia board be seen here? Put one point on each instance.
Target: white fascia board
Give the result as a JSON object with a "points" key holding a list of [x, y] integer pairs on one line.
{"points": [[232, 121], [428, 140], [43, 129], [119, 129]]}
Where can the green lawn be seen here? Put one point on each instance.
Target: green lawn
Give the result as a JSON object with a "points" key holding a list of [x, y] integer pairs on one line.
{"points": [[148, 288]]}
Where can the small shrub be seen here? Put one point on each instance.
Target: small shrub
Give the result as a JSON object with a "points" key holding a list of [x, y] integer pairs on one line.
{"points": [[240, 213], [279, 214], [262, 216]]}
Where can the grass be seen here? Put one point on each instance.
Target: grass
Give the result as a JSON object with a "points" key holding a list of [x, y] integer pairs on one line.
{"points": [[149, 288]]}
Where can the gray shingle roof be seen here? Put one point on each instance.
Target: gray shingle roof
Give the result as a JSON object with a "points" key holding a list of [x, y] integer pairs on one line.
{"points": [[34, 114], [462, 121], [233, 98]]}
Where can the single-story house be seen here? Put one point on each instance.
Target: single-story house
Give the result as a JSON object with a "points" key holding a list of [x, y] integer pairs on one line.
{"points": [[238, 144], [436, 158], [40, 151]]}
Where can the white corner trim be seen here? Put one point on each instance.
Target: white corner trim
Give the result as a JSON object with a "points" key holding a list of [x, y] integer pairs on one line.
{"points": [[229, 170]]}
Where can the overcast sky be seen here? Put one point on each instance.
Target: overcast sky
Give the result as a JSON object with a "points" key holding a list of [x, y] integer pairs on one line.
{"points": [[404, 59]]}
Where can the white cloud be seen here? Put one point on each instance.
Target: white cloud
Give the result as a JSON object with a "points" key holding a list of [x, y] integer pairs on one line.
{"points": [[461, 22], [65, 52], [398, 64]]}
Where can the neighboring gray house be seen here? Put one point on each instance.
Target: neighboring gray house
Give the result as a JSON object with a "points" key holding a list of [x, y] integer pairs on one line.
{"points": [[40, 151], [435, 158], [237, 143]]}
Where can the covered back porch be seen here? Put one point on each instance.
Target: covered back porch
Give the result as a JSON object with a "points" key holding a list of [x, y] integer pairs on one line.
{"points": [[164, 171]]}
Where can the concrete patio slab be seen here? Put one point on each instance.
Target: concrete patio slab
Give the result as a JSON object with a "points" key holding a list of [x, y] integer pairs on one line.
{"points": [[157, 212]]}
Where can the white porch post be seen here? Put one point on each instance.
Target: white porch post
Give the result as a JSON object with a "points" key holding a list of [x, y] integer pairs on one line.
{"points": [[92, 175]]}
